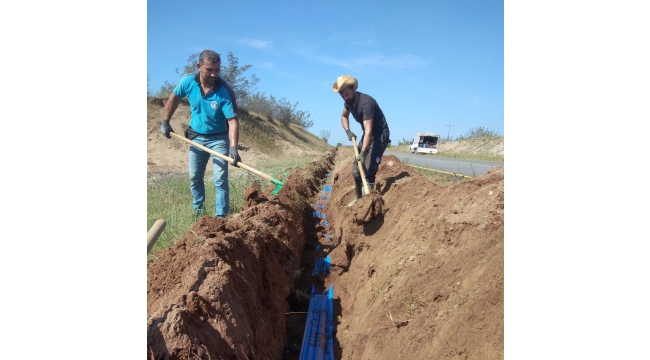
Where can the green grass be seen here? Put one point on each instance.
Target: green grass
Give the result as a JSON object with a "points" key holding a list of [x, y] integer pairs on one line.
{"points": [[170, 198], [440, 177], [455, 155], [257, 135], [470, 156]]}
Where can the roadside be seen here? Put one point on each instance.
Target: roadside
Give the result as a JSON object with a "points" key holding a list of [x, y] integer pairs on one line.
{"points": [[483, 149]]}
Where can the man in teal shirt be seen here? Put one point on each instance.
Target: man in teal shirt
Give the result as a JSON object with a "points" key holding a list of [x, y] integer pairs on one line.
{"points": [[213, 124]]}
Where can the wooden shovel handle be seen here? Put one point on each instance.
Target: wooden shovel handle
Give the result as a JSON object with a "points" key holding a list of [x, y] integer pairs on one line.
{"points": [[239, 164], [356, 155]]}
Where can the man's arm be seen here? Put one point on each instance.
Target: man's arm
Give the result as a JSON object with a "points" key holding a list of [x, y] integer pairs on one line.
{"points": [[345, 122], [367, 130], [345, 119], [171, 106], [233, 131], [233, 135]]}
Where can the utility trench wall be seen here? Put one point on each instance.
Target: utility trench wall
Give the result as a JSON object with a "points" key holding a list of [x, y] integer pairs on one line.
{"points": [[417, 270], [220, 292]]}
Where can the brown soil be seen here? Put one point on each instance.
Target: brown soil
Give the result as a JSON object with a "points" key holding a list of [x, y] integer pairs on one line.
{"points": [[417, 270]]}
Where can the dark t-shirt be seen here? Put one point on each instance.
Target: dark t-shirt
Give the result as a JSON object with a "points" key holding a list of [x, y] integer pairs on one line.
{"points": [[367, 108]]}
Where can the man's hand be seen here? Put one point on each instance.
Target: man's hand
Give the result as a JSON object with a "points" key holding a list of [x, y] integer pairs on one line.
{"points": [[165, 128], [234, 155], [350, 134], [362, 156]]}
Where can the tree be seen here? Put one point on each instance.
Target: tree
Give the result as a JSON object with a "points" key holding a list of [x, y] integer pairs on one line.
{"points": [[231, 72], [244, 87], [234, 75], [404, 141], [190, 66], [477, 133], [325, 134], [165, 89]]}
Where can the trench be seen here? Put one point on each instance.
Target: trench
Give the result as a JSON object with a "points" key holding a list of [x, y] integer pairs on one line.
{"points": [[241, 288], [310, 321]]}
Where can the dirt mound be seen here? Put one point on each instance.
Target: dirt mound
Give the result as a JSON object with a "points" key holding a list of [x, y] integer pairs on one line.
{"points": [[221, 291], [419, 277], [426, 273]]}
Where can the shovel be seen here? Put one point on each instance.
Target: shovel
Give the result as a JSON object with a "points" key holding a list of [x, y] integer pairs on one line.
{"points": [[240, 164], [356, 155]]}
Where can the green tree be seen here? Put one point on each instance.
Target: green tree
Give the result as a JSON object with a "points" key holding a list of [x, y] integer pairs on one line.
{"points": [[234, 75], [404, 141], [244, 87], [477, 133], [165, 89], [190, 65], [325, 134], [231, 72]]}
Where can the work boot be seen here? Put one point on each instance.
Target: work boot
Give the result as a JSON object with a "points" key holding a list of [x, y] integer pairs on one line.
{"points": [[198, 213], [357, 193]]}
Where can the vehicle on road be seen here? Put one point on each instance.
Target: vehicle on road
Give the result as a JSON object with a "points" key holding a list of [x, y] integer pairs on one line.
{"points": [[425, 143]]}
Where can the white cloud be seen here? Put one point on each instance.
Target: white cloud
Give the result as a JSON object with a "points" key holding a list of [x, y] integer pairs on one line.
{"points": [[374, 60], [271, 66], [258, 44]]}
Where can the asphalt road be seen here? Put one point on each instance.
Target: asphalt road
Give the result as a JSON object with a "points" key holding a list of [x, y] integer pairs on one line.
{"points": [[456, 166]]}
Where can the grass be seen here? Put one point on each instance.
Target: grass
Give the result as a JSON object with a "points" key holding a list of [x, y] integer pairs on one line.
{"points": [[170, 198], [412, 302], [376, 291], [470, 156], [457, 155], [257, 135], [440, 177]]}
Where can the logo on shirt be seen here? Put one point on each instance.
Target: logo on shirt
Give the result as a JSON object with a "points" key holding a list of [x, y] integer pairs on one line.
{"points": [[214, 105]]}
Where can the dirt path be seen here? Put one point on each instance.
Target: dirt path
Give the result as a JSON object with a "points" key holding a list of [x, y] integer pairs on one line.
{"points": [[419, 278]]}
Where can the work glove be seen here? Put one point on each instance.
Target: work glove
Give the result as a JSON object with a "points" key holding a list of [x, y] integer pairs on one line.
{"points": [[165, 128], [362, 156], [234, 155], [350, 134]]}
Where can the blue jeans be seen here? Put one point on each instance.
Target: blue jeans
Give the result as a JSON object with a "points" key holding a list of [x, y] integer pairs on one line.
{"points": [[198, 162]]}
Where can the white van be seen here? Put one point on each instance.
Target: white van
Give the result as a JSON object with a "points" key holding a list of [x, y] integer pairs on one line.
{"points": [[425, 143]]}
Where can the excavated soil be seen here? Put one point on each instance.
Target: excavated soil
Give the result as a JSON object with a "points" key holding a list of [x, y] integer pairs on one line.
{"points": [[417, 270]]}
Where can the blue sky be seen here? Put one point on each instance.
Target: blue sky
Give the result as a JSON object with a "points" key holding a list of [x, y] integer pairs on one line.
{"points": [[428, 64]]}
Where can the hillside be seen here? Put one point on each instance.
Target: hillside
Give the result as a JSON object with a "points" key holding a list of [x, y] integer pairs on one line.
{"points": [[417, 268], [262, 141]]}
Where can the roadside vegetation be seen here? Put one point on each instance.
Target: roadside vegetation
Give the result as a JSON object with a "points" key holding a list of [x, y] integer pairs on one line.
{"points": [[440, 177], [473, 139], [169, 198], [244, 87]]}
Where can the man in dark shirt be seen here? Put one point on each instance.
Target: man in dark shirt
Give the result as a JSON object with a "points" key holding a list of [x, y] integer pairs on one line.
{"points": [[376, 135]]}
